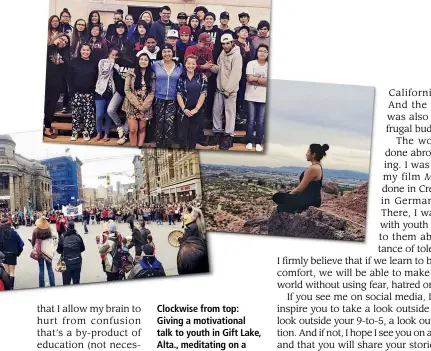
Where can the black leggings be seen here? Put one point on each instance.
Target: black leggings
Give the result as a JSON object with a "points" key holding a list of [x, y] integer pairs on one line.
{"points": [[52, 94], [292, 203]]}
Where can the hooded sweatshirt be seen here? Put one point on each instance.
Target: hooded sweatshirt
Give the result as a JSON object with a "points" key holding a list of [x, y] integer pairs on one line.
{"points": [[229, 70], [105, 77], [166, 85], [159, 30], [70, 246], [152, 55], [204, 55]]}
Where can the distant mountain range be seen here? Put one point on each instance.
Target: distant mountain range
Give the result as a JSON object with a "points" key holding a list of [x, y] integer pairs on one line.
{"points": [[328, 173]]}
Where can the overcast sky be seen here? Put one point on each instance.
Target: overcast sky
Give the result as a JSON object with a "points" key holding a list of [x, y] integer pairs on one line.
{"points": [[301, 113], [30, 145]]}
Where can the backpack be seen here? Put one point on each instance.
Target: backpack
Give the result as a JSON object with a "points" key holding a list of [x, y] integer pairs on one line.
{"points": [[150, 272]]}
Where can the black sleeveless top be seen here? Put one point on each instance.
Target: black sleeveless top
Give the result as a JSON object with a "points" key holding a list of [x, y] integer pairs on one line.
{"points": [[311, 194]]}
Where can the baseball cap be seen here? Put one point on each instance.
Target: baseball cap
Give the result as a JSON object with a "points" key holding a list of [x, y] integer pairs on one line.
{"points": [[120, 24], [166, 47], [244, 27], [224, 15], [204, 37], [172, 34], [185, 30], [226, 38], [243, 14], [182, 15]]}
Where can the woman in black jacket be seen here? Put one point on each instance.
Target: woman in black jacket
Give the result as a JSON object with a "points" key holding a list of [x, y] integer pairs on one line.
{"points": [[70, 247], [58, 55], [139, 37], [11, 245], [83, 74]]}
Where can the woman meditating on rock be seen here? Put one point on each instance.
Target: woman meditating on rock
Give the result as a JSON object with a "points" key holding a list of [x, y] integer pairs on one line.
{"points": [[307, 193]]}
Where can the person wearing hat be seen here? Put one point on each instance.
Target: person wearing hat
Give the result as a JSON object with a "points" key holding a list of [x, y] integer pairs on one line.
{"points": [[11, 245], [148, 266], [172, 38], [243, 42], [43, 232], [70, 247], [224, 24], [139, 37], [195, 27], [111, 249], [229, 72], [118, 16], [200, 12], [262, 37], [182, 19], [214, 32], [244, 19], [119, 40], [160, 28], [184, 42], [167, 73]]}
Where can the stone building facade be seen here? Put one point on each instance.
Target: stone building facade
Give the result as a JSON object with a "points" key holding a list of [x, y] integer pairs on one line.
{"points": [[170, 175], [24, 183]]}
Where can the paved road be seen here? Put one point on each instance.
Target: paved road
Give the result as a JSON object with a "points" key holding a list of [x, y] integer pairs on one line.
{"points": [[27, 271]]}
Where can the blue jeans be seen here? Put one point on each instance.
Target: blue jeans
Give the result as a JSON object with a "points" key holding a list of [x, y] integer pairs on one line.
{"points": [[101, 112], [256, 115], [113, 106], [171, 219], [42, 273]]}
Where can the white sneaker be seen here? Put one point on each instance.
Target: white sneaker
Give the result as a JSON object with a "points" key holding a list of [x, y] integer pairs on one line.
{"points": [[122, 140], [259, 147], [86, 136], [74, 136], [249, 146], [120, 131]]}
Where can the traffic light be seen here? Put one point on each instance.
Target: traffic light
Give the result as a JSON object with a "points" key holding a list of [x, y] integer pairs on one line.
{"points": [[108, 179]]}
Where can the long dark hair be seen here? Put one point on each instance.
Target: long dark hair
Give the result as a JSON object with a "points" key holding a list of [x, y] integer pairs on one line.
{"points": [[49, 23], [75, 35], [65, 10], [147, 75], [262, 46], [91, 15], [90, 36]]}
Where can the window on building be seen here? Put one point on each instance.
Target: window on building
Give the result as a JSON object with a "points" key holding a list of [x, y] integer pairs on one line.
{"points": [[2, 151], [191, 168]]}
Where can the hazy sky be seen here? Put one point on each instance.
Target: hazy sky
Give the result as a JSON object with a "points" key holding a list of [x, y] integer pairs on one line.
{"points": [[302, 113], [30, 145]]}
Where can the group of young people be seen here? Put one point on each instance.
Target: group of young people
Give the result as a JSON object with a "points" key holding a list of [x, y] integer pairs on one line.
{"points": [[113, 246], [166, 77]]}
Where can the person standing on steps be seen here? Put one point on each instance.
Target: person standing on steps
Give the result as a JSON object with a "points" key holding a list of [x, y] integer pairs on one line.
{"points": [[150, 48], [99, 46], [58, 55], [244, 19], [65, 18], [118, 16], [224, 24], [80, 35], [53, 27], [160, 28], [139, 89], [255, 96], [200, 12], [138, 40], [70, 246], [229, 71], [167, 73], [307, 193], [94, 20], [195, 27], [105, 89], [82, 82], [262, 36], [191, 94]]}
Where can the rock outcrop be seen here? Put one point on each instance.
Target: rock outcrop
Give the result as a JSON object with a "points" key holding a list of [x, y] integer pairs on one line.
{"points": [[339, 218]]}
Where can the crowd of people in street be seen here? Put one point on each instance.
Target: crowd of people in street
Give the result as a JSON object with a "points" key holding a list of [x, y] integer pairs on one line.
{"points": [[112, 246], [166, 77]]}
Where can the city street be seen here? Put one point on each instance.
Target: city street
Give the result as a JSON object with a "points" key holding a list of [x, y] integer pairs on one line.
{"points": [[27, 270]]}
